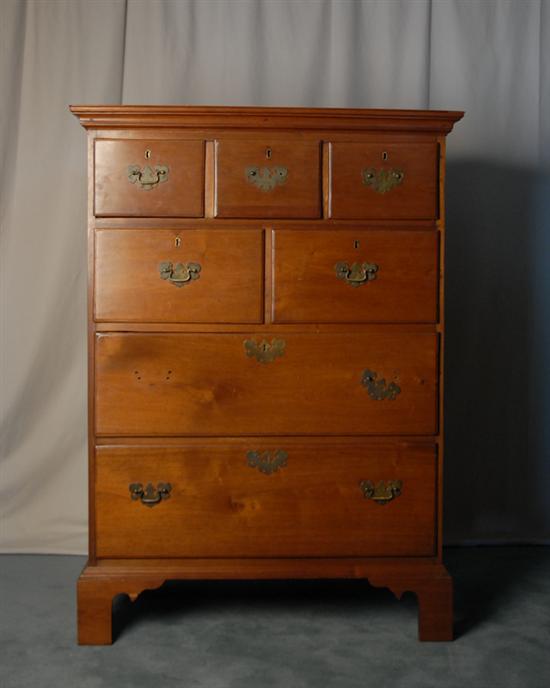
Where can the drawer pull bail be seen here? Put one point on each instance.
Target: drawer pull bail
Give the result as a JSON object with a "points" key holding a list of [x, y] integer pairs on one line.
{"points": [[147, 178], [357, 274], [263, 351], [267, 462], [382, 180], [266, 178], [149, 495], [378, 389], [179, 274], [383, 492]]}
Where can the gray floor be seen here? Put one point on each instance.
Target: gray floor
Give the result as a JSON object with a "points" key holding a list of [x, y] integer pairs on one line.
{"points": [[284, 634]]}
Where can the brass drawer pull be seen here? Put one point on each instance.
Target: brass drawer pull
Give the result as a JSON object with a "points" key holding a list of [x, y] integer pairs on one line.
{"points": [[382, 180], [179, 274], [147, 178], [378, 389], [383, 492], [267, 462], [266, 178], [149, 495], [264, 352], [357, 274]]}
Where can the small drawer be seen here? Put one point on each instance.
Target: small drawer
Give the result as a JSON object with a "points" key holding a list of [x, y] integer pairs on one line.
{"points": [[355, 276], [194, 276], [266, 499], [258, 383], [149, 178], [384, 180], [268, 179]]}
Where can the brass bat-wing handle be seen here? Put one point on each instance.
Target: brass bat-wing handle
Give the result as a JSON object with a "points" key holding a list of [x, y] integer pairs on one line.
{"points": [[383, 492], [179, 274], [147, 178], [266, 178], [356, 274], [149, 495], [382, 180]]}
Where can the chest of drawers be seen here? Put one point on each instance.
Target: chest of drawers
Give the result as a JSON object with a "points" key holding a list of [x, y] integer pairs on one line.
{"points": [[265, 350]]}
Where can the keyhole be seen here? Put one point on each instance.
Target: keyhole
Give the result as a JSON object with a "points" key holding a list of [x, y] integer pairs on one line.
{"points": [[177, 242], [268, 153], [147, 154], [356, 243], [384, 155]]}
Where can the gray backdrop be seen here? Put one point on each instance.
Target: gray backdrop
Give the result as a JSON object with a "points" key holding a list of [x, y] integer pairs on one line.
{"points": [[488, 57]]}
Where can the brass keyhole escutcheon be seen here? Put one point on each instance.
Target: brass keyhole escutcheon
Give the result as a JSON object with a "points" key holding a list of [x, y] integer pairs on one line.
{"points": [[385, 155], [268, 153], [177, 242], [147, 153], [264, 351], [356, 243]]}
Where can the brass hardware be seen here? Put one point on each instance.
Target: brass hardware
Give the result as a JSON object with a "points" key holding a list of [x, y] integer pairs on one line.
{"points": [[378, 389], [385, 155], [179, 274], [177, 242], [267, 462], [266, 178], [264, 352], [357, 274], [383, 492], [150, 495], [147, 178], [382, 180], [148, 154], [268, 153], [356, 243]]}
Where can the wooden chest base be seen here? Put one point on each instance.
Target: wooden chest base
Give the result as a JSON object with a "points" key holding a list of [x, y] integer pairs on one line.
{"points": [[426, 578]]}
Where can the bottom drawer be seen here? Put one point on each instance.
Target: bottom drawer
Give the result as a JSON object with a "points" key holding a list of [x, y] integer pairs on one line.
{"points": [[260, 499]]}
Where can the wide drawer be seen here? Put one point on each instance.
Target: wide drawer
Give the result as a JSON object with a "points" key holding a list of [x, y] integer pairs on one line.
{"points": [[256, 384], [266, 500], [149, 178], [355, 276], [384, 180], [264, 178], [179, 276]]}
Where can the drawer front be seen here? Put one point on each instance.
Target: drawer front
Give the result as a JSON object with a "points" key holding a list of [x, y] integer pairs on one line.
{"points": [[256, 384], [179, 276], [266, 500], [149, 178], [355, 276], [268, 179], [384, 180]]}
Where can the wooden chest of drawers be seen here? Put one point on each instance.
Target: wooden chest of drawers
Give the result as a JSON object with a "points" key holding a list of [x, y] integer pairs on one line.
{"points": [[265, 350]]}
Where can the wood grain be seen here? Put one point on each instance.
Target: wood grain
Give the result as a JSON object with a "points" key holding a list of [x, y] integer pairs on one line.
{"points": [[313, 506], [306, 287], [298, 196], [234, 118], [181, 195], [229, 289], [414, 198], [205, 384]]}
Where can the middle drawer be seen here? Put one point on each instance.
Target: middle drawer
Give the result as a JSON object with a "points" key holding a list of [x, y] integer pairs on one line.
{"points": [[263, 384]]}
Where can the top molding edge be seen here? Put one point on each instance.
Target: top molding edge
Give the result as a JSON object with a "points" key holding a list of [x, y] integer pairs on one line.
{"points": [[208, 117]]}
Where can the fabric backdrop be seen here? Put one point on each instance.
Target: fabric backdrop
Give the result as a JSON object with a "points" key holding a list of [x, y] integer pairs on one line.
{"points": [[488, 57]]}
